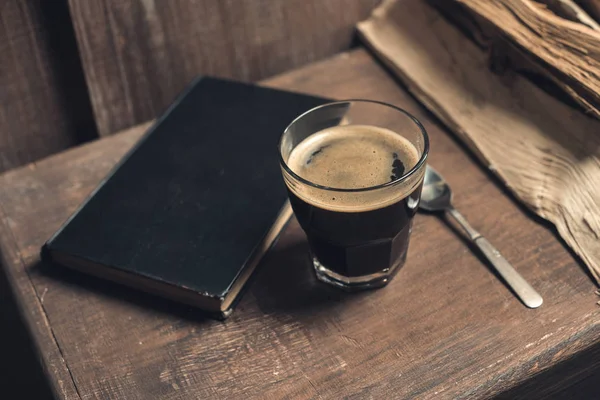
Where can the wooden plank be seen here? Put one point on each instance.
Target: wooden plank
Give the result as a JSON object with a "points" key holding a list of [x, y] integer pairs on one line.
{"points": [[444, 328], [139, 54], [44, 106], [567, 50]]}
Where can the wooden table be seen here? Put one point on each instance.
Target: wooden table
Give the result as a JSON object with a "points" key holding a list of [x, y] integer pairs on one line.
{"points": [[446, 327]]}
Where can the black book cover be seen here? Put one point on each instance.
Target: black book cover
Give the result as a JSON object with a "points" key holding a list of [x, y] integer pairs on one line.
{"points": [[193, 206]]}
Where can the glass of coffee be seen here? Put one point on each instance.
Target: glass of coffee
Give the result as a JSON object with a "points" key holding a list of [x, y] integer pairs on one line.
{"points": [[354, 171]]}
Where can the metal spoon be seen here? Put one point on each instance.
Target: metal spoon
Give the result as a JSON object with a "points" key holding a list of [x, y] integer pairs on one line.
{"points": [[437, 196]]}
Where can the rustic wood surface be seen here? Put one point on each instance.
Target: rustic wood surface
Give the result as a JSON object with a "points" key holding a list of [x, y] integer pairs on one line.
{"points": [[570, 10], [44, 106], [138, 55], [592, 7], [569, 51], [505, 55], [446, 327]]}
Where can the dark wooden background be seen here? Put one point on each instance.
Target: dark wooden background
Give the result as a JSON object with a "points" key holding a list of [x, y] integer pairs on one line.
{"points": [[44, 103], [71, 70], [138, 54]]}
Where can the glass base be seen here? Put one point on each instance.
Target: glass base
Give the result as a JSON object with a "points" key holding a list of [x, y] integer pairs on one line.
{"points": [[356, 283]]}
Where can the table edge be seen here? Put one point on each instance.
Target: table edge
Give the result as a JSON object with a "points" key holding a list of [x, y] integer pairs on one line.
{"points": [[61, 379], [32, 312]]}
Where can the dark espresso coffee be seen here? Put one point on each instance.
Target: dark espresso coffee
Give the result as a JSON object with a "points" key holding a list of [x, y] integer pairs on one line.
{"points": [[358, 233]]}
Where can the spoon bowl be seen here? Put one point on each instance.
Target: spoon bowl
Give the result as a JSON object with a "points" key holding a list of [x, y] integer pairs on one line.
{"points": [[436, 194]]}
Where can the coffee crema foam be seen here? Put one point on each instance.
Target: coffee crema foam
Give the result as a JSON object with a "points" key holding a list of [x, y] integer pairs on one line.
{"points": [[353, 157]]}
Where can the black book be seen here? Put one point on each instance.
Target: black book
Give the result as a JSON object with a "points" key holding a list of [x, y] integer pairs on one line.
{"points": [[191, 209]]}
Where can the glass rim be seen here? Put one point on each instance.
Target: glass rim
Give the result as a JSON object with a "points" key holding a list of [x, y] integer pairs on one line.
{"points": [[400, 179]]}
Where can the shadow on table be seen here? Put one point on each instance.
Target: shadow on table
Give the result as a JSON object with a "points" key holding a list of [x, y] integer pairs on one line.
{"points": [[574, 378], [283, 283], [20, 370], [286, 283], [105, 288]]}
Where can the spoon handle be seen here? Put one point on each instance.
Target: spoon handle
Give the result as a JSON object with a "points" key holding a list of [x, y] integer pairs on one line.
{"points": [[515, 281]]}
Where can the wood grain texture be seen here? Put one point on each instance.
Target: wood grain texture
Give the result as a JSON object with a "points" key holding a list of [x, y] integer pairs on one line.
{"points": [[592, 7], [571, 11], [44, 106], [569, 51], [445, 328], [507, 57], [139, 54]]}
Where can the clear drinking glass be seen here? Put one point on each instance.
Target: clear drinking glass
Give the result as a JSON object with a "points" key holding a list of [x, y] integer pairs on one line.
{"points": [[358, 233]]}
